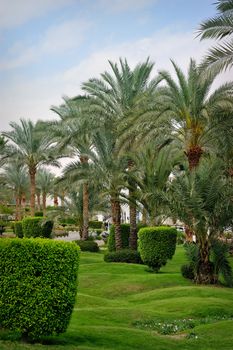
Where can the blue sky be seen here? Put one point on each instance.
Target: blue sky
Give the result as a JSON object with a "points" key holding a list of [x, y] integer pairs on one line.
{"points": [[49, 47]]}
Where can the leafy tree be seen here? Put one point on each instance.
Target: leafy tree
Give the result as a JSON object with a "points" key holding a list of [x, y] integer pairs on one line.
{"points": [[220, 27]]}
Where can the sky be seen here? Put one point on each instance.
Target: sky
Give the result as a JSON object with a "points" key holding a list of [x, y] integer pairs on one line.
{"points": [[48, 48]]}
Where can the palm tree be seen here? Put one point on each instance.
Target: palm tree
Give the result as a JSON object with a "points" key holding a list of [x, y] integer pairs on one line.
{"points": [[194, 112], [44, 181], [220, 27], [15, 178], [32, 147], [73, 132], [154, 167], [202, 199], [105, 171], [115, 97]]}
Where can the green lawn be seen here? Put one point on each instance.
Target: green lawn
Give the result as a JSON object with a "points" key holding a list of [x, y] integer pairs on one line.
{"points": [[112, 297]]}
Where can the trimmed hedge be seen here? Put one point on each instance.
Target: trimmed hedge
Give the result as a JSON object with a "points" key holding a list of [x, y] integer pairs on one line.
{"points": [[95, 224], [157, 245], [38, 285], [68, 221], [125, 231], [88, 246], [18, 229], [37, 227], [124, 255]]}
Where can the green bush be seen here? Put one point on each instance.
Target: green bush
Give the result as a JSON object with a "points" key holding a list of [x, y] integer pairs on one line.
{"points": [[95, 224], [3, 224], [37, 227], [187, 271], [98, 231], [88, 246], [18, 229], [39, 213], [157, 245], [124, 255], [68, 221], [125, 231], [38, 285]]}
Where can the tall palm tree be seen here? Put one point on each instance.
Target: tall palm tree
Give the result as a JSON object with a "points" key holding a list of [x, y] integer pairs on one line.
{"points": [[73, 132], [220, 27], [106, 171], [115, 97], [32, 147], [44, 182], [193, 110]]}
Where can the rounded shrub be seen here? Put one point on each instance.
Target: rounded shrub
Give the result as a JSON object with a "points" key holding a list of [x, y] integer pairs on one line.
{"points": [[37, 227], [157, 245], [95, 224], [88, 246], [124, 255], [18, 229], [38, 285], [187, 271]]}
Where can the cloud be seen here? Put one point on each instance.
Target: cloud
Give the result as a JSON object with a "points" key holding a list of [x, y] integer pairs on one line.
{"points": [[56, 39], [125, 5], [33, 99], [17, 12]]}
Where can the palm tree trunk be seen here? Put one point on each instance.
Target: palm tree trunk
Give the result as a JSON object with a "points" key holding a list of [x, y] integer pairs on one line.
{"points": [[85, 211], [133, 222], [63, 198], [16, 207], [84, 161], [23, 204], [116, 208], [32, 174], [20, 207], [144, 216], [205, 271], [132, 210], [44, 203], [38, 201], [55, 200], [194, 155]]}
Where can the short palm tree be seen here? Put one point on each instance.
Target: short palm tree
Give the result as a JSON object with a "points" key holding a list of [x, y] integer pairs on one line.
{"points": [[44, 182], [220, 28], [33, 147], [202, 199], [194, 111], [154, 168], [15, 178]]}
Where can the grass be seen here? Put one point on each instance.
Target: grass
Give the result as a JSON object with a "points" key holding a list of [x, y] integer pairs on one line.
{"points": [[116, 301]]}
